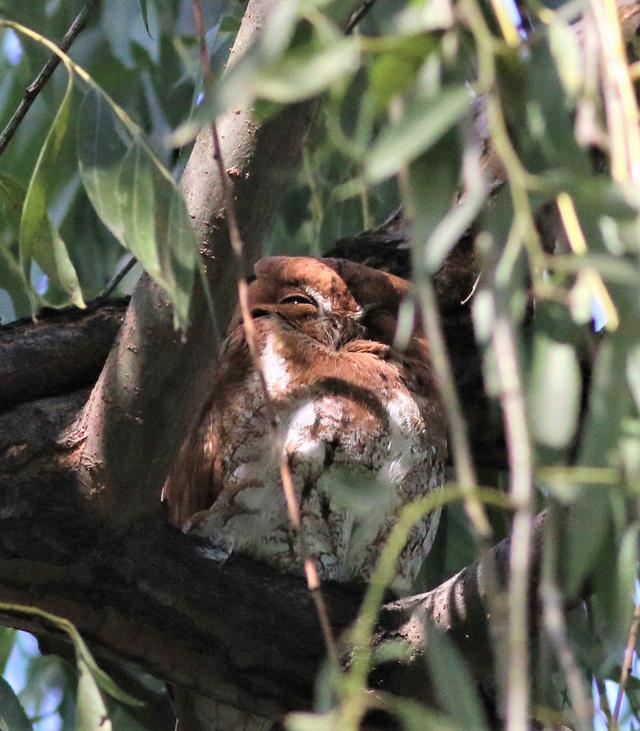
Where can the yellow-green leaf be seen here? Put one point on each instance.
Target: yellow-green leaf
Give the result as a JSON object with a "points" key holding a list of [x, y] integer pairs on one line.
{"points": [[423, 124], [136, 198], [40, 241]]}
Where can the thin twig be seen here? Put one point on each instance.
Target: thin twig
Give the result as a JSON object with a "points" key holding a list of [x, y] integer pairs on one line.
{"points": [[358, 15], [521, 492], [520, 456], [459, 438], [36, 86], [117, 278], [627, 663], [619, 95], [237, 246], [600, 686]]}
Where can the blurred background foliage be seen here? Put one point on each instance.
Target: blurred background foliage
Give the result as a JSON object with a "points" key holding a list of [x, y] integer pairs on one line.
{"points": [[404, 97]]}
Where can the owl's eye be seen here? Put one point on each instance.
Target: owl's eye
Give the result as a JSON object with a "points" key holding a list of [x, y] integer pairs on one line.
{"points": [[298, 299]]}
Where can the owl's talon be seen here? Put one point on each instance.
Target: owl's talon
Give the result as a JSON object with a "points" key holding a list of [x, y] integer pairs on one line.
{"points": [[195, 521]]}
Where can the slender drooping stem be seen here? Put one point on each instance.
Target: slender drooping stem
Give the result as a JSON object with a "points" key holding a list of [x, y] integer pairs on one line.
{"points": [[36, 86]]}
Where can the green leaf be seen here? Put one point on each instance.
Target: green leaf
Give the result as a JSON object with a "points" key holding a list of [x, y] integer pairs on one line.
{"points": [[12, 195], [423, 124], [554, 392], [300, 74], [91, 712], [100, 677], [437, 227], [12, 715], [84, 659], [585, 547], [394, 71], [415, 717], [392, 651], [13, 281], [7, 641], [453, 683], [304, 73], [310, 721], [567, 55], [136, 199], [230, 24], [144, 11], [425, 16], [633, 374], [615, 587], [40, 241], [590, 516]]}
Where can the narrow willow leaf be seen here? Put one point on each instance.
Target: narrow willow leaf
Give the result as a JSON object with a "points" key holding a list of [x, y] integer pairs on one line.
{"points": [[590, 516], [435, 176], [633, 374], [7, 641], [84, 659], [91, 712], [12, 195], [428, 16], [301, 74], [310, 721], [306, 73], [144, 12], [554, 393], [567, 55], [12, 715], [40, 241], [12, 279], [616, 596], [392, 651], [136, 199], [453, 683], [100, 677], [396, 69], [452, 228], [415, 717], [423, 124]]}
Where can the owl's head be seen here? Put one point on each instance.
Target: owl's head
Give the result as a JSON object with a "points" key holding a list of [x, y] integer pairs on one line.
{"points": [[310, 293]]}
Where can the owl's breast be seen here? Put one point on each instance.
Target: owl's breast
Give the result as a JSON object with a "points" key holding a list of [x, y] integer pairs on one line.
{"points": [[358, 444]]}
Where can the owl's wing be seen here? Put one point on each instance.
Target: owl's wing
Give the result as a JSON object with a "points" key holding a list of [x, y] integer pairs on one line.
{"points": [[188, 487], [193, 483]]}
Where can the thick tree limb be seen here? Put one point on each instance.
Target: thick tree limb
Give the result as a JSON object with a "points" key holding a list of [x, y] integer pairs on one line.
{"points": [[144, 399], [237, 632], [62, 352]]}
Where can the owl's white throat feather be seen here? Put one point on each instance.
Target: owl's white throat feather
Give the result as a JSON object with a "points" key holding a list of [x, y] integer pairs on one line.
{"points": [[274, 367]]}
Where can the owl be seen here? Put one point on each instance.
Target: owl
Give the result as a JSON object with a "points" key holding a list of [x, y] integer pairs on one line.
{"points": [[360, 422]]}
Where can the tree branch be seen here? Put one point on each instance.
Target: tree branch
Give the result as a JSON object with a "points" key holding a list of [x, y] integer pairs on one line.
{"points": [[238, 632], [62, 352]]}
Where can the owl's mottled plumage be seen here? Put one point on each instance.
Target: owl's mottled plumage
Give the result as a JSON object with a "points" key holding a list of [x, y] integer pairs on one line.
{"points": [[361, 423]]}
